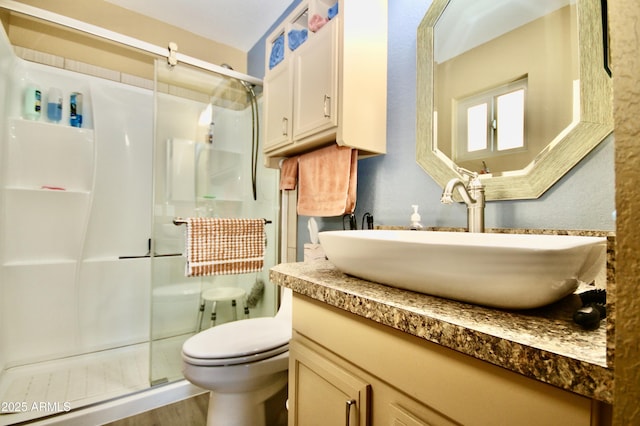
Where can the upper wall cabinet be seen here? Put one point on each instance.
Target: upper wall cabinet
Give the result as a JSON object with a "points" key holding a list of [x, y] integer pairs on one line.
{"points": [[326, 79]]}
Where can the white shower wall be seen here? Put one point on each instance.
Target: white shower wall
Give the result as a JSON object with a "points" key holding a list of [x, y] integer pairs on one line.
{"points": [[64, 289]]}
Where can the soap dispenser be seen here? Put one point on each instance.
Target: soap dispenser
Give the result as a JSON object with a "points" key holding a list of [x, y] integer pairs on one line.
{"points": [[415, 218]]}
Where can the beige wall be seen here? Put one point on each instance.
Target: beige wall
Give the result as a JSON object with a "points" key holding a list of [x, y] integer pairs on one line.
{"points": [[44, 37]]}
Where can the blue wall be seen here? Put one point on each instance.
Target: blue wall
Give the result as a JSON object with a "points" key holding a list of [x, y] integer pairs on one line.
{"points": [[388, 185]]}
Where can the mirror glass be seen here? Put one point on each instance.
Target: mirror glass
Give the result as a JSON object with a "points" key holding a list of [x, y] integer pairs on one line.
{"points": [[509, 89]]}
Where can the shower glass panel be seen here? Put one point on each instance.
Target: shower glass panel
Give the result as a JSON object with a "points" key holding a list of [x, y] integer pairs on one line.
{"points": [[94, 304], [76, 217], [204, 126]]}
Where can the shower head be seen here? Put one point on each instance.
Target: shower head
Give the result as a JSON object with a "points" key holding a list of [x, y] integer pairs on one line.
{"points": [[248, 86]]}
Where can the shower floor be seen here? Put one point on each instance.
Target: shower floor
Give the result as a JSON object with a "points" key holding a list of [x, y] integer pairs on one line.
{"points": [[53, 387]]}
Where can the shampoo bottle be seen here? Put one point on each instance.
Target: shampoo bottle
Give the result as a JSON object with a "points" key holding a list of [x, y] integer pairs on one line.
{"points": [[75, 109], [32, 103], [54, 105]]}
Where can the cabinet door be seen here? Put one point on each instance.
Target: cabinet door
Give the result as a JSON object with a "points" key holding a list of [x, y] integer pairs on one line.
{"points": [[315, 92], [278, 107], [418, 416], [323, 394]]}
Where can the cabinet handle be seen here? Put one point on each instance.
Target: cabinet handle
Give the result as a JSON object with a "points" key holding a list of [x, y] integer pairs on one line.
{"points": [[285, 126], [327, 106], [350, 403]]}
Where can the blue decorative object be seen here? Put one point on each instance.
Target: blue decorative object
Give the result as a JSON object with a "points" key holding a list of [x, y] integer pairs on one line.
{"points": [[333, 11], [296, 38], [277, 52]]}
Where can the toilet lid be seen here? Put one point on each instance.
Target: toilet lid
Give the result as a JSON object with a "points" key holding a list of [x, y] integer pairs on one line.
{"points": [[242, 360], [238, 342]]}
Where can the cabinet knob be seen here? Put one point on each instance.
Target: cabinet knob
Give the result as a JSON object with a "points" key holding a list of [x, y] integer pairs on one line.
{"points": [[350, 403], [285, 126]]}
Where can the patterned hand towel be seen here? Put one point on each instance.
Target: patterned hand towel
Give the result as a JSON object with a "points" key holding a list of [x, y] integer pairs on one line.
{"points": [[224, 246]]}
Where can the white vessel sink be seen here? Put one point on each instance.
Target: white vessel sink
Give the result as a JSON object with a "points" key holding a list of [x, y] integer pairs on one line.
{"points": [[512, 271]]}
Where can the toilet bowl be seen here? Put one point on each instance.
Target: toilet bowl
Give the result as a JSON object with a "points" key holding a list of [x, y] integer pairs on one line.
{"points": [[242, 363]]}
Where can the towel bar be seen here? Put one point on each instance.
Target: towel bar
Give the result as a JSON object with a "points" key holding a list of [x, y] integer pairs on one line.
{"points": [[180, 221]]}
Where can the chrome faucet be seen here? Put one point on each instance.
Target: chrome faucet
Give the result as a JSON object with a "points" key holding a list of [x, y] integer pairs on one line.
{"points": [[473, 196]]}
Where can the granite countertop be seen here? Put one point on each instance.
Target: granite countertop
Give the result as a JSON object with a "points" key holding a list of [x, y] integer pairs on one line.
{"points": [[543, 343]]}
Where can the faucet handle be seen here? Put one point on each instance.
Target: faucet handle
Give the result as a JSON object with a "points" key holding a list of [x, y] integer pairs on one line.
{"points": [[474, 180], [464, 172]]}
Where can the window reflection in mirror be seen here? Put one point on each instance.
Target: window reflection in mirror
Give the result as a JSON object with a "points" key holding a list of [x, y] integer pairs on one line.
{"points": [[483, 49], [490, 123]]}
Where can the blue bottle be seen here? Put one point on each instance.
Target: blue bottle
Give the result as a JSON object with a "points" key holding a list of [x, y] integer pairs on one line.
{"points": [[54, 105], [75, 109]]}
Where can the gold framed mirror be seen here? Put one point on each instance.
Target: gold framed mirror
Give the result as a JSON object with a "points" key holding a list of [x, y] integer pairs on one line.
{"points": [[588, 88]]}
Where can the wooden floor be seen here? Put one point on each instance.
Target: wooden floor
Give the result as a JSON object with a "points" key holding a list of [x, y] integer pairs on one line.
{"points": [[191, 412]]}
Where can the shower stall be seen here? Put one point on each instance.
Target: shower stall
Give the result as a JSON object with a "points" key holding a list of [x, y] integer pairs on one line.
{"points": [[94, 302]]}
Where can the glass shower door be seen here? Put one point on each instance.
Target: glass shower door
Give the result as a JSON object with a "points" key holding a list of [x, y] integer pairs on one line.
{"points": [[203, 148]]}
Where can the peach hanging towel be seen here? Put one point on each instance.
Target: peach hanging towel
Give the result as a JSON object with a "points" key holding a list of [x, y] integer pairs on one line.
{"points": [[327, 180], [289, 174], [221, 246]]}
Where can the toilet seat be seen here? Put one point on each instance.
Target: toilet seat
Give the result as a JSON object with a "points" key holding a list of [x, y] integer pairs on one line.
{"points": [[221, 362], [238, 342]]}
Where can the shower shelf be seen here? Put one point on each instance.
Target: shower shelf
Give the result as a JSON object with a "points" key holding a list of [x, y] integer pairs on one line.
{"points": [[63, 125], [43, 154], [51, 126], [47, 190], [222, 176]]}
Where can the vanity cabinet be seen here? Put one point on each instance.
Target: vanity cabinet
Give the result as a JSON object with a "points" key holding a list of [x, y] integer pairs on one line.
{"points": [[325, 393], [332, 86], [398, 379]]}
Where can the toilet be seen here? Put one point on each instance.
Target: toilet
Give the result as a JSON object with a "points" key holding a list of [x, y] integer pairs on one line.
{"points": [[242, 363]]}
